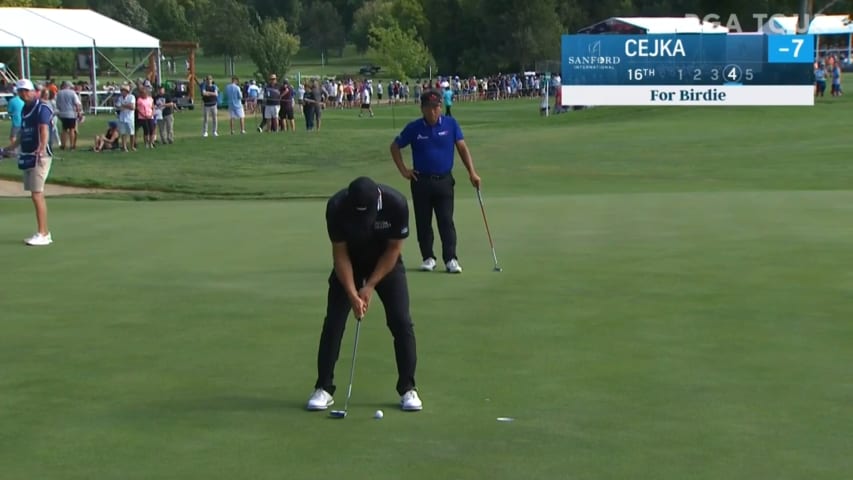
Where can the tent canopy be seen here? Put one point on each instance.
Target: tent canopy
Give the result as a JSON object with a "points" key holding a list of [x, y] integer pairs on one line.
{"points": [[9, 40], [67, 28], [654, 25], [820, 25]]}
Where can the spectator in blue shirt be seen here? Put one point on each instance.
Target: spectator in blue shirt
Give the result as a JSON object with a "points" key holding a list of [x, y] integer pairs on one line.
{"points": [[434, 138], [448, 100], [15, 107], [235, 104]]}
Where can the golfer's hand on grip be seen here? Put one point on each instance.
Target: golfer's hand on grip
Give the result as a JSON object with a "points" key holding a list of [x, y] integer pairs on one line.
{"points": [[365, 294], [359, 307]]}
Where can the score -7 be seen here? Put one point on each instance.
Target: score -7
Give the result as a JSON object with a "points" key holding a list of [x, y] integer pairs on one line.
{"points": [[799, 43]]}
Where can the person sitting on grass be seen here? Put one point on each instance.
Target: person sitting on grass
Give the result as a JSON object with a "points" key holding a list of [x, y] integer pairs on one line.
{"points": [[108, 140]]}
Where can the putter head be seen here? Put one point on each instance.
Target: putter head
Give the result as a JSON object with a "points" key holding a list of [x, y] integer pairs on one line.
{"points": [[338, 413], [499, 269]]}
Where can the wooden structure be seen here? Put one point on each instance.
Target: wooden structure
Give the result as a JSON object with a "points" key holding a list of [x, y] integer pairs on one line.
{"points": [[180, 48]]}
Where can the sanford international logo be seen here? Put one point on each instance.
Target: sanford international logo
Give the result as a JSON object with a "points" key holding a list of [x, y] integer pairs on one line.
{"points": [[594, 59]]}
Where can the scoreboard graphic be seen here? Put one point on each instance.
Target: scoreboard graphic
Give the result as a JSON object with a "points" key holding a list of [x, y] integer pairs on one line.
{"points": [[688, 69]]}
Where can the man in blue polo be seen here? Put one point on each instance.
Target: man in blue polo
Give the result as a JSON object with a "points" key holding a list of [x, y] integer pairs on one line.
{"points": [[35, 155], [434, 138]]}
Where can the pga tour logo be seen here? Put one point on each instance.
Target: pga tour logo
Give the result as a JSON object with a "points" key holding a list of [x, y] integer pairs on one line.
{"points": [[594, 59], [734, 24]]}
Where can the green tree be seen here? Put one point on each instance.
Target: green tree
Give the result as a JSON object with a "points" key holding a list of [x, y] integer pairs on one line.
{"points": [[51, 62], [195, 12], [290, 10], [572, 16], [225, 31], [458, 24], [168, 20], [273, 47], [346, 9], [401, 53], [322, 28], [517, 33], [374, 13], [410, 14], [128, 12]]}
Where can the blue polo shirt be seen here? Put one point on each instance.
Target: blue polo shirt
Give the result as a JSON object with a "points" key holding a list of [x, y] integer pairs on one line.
{"points": [[15, 108], [34, 116], [433, 147]]}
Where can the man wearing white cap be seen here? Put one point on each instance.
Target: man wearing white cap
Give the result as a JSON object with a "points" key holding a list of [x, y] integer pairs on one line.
{"points": [[35, 156]]}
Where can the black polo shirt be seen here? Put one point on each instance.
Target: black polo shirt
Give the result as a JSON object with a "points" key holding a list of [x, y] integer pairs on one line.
{"points": [[367, 235], [210, 101]]}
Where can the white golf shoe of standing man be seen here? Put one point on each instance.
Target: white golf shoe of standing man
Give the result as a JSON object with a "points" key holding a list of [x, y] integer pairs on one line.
{"points": [[35, 155]]}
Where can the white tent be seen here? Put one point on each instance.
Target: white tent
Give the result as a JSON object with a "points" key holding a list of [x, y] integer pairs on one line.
{"points": [[9, 40], [820, 25], [654, 25], [668, 25], [106, 32], [28, 28]]}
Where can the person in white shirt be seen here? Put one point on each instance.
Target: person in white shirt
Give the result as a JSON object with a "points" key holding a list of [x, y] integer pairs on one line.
{"points": [[254, 92], [126, 105], [365, 100]]}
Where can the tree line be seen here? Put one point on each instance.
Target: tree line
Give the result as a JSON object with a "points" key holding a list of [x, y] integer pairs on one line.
{"points": [[407, 37]]}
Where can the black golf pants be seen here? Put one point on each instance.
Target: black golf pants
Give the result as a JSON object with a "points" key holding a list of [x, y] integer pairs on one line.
{"points": [[432, 193], [393, 291]]}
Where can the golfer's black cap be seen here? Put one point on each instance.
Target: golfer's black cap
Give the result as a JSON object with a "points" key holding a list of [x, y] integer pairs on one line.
{"points": [[363, 195], [431, 98]]}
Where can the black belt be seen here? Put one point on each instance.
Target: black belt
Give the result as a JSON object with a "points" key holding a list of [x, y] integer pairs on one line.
{"points": [[433, 176]]}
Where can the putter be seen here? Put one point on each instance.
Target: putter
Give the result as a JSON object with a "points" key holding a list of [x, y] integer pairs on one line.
{"points": [[488, 233], [343, 413]]}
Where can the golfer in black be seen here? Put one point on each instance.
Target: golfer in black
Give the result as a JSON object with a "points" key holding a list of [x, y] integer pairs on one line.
{"points": [[433, 139], [367, 224]]}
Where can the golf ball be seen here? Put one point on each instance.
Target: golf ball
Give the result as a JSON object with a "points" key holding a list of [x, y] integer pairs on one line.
{"points": [[378, 414]]}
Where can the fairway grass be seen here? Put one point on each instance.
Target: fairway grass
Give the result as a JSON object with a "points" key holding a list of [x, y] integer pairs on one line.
{"points": [[630, 336], [675, 304]]}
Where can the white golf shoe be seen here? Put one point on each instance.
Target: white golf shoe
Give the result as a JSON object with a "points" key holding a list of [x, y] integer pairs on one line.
{"points": [[428, 265], [39, 240], [453, 266], [410, 401], [320, 400]]}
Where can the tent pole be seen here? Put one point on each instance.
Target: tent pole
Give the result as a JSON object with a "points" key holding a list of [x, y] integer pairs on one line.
{"points": [[29, 72], [115, 67], [159, 66], [22, 73], [93, 98]]}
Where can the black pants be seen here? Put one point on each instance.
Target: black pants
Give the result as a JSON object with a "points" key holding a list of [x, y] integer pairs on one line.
{"points": [[447, 111], [393, 290], [309, 117], [434, 194]]}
